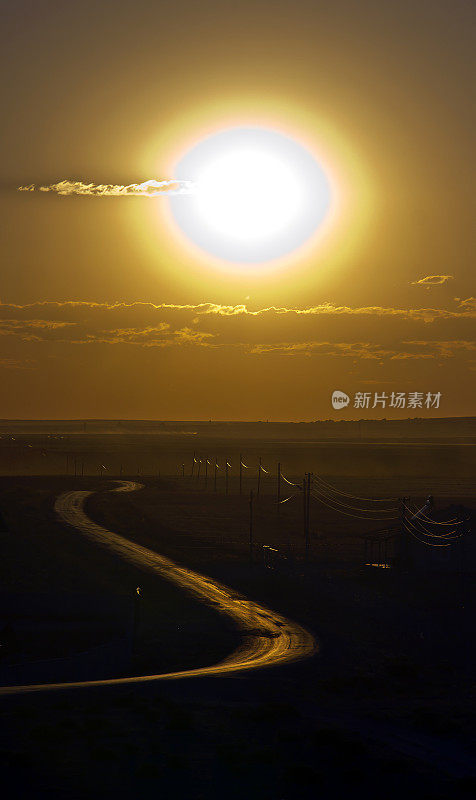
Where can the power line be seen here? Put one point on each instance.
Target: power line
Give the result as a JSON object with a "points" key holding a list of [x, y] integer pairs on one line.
{"points": [[355, 497], [291, 497], [423, 532], [422, 541], [356, 508], [290, 482], [354, 516], [421, 515]]}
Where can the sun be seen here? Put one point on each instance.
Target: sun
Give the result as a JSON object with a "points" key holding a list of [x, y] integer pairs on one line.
{"points": [[258, 195], [248, 194]]}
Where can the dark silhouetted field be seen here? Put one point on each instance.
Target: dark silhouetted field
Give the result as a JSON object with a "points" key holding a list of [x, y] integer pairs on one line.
{"points": [[387, 705]]}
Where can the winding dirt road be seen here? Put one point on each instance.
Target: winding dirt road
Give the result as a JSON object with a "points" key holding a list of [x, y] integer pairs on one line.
{"points": [[268, 638]]}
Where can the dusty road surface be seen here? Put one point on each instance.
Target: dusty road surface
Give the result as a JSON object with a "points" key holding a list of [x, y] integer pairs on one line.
{"points": [[268, 638]]}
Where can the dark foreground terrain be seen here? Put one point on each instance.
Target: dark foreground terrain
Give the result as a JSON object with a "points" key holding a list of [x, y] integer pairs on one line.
{"points": [[386, 706]]}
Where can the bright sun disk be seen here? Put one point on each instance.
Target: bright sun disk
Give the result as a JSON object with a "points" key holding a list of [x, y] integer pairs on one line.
{"points": [[248, 195], [259, 195]]}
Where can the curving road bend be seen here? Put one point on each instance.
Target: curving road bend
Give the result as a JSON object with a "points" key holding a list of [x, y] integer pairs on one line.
{"points": [[268, 638]]}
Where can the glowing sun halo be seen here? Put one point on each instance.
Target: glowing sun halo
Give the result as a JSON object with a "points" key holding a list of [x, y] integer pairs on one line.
{"points": [[258, 195]]}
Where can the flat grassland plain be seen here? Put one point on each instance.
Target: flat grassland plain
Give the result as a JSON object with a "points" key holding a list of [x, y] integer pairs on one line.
{"points": [[385, 706]]}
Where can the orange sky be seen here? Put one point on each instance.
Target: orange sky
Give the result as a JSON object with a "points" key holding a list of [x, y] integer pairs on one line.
{"points": [[105, 312]]}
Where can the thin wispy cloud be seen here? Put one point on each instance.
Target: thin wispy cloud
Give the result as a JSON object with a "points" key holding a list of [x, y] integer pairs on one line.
{"points": [[432, 280], [326, 332], [14, 363], [150, 188]]}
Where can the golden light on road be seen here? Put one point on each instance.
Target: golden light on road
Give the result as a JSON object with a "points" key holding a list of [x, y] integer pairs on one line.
{"points": [[259, 195]]}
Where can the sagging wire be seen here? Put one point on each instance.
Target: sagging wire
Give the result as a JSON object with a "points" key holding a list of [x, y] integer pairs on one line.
{"points": [[291, 497], [290, 482], [449, 535], [356, 508], [355, 497], [354, 516], [243, 465], [422, 541], [263, 469], [421, 515], [420, 527]]}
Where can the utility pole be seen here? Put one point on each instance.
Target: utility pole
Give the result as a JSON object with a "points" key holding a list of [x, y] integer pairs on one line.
{"points": [[306, 491], [404, 534], [183, 470], [82, 468], [259, 475], [278, 479], [226, 476], [206, 472], [241, 472], [215, 476], [308, 515], [198, 471], [462, 572], [251, 527], [193, 463]]}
